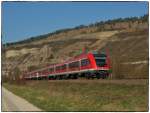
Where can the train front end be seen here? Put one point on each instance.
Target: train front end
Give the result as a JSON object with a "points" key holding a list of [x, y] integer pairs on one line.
{"points": [[101, 65]]}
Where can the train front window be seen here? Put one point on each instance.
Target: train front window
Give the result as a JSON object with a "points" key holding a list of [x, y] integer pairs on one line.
{"points": [[100, 62], [100, 59]]}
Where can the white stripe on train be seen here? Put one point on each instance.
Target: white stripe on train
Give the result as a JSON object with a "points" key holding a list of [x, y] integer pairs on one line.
{"points": [[67, 73]]}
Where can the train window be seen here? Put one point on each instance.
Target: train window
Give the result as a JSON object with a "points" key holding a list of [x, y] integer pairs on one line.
{"points": [[51, 69], [100, 62], [100, 59], [74, 64], [58, 68], [85, 62], [63, 67]]}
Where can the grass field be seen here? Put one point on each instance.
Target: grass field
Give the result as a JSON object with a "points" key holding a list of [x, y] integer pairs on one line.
{"points": [[81, 95]]}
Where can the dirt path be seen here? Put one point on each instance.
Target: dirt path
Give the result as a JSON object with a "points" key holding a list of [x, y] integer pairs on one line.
{"points": [[11, 102]]}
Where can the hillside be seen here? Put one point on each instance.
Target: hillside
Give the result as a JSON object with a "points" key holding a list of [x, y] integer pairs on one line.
{"points": [[126, 40]]}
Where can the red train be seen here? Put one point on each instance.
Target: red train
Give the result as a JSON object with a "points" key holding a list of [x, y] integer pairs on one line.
{"points": [[89, 65]]}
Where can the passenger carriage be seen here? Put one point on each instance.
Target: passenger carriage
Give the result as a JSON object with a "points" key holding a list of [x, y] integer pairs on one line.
{"points": [[89, 65]]}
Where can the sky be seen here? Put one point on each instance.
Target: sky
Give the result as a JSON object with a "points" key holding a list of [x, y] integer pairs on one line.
{"points": [[22, 20]]}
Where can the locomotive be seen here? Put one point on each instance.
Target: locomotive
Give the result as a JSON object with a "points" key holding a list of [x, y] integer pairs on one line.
{"points": [[88, 65]]}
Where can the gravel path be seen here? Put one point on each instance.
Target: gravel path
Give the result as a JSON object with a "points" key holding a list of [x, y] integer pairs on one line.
{"points": [[11, 102]]}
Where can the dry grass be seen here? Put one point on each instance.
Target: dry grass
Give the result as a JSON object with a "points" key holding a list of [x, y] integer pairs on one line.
{"points": [[84, 95], [129, 47]]}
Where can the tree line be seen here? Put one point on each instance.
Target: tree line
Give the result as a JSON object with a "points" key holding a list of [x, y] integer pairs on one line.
{"points": [[143, 18]]}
